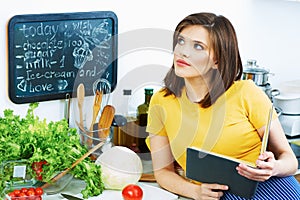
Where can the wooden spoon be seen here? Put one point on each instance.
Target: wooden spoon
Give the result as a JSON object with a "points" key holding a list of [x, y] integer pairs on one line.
{"points": [[105, 121], [80, 97]]}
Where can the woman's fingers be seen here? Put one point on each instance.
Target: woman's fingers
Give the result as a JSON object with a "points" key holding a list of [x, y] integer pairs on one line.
{"points": [[257, 174], [212, 191]]}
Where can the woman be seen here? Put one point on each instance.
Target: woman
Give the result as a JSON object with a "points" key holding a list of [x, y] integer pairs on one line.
{"points": [[205, 104]]}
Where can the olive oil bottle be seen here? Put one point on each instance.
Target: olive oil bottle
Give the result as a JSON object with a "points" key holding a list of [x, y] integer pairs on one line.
{"points": [[142, 115]]}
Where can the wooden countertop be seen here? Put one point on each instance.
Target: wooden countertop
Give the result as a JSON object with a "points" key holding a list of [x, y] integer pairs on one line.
{"points": [[298, 177]]}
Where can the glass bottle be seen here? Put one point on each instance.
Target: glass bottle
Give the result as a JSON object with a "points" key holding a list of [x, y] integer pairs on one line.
{"points": [[125, 105], [118, 136], [127, 135], [142, 115]]}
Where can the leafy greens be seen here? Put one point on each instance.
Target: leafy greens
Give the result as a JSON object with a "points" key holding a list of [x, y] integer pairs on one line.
{"points": [[54, 142]]}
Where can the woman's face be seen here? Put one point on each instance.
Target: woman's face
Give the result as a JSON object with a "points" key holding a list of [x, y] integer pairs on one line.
{"points": [[192, 55]]}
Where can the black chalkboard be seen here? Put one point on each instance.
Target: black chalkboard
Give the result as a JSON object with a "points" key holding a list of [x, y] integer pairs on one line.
{"points": [[50, 54]]}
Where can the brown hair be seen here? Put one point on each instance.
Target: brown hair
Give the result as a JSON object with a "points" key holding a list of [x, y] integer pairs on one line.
{"points": [[225, 48]]}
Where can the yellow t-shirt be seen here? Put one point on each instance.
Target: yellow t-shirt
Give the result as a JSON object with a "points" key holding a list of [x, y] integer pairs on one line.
{"points": [[227, 127]]}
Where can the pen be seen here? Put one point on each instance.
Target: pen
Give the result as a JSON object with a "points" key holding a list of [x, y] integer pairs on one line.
{"points": [[267, 131]]}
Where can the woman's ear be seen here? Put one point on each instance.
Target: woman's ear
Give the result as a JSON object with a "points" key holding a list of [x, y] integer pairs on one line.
{"points": [[215, 64]]}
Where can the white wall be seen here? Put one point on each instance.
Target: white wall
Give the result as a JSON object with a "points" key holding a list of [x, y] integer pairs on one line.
{"points": [[268, 31]]}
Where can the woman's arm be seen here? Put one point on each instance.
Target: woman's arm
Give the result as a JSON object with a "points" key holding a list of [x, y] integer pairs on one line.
{"points": [[167, 178], [286, 161], [279, 160]]}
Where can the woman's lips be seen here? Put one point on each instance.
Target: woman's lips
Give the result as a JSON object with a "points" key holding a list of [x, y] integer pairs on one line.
{"points": [[182, 63]]}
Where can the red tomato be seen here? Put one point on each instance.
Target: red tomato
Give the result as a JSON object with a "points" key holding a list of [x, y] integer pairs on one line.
{"points": [[36, 165], [24, 190], [38, 168], [39, 191], [132, 192], [31, 190], [38, 174], [30, 193], [22, 196], [12, 194], [17, 192]]}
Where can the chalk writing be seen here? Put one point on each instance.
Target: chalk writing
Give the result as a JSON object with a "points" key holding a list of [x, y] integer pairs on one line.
{"points": [[48, 55]]}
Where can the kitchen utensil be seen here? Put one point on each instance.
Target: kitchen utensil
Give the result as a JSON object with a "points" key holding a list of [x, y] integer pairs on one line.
{"points": [[104, 86], [80, 97], [67, 107], [267, 131], [96, 109], [60, 175], [289, 103], [70, 197], [290, 124], [105, 121], [254, 72]]}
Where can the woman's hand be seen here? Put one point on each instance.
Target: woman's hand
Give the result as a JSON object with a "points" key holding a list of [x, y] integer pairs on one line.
{"points": [[265, 166], [210, 191]]}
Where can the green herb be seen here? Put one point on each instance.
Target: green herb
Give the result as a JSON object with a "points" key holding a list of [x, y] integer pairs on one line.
{"points": [[54, 142]]}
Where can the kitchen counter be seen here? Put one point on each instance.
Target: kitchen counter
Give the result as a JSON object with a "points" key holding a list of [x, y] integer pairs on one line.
{"points": [[152, 191]]}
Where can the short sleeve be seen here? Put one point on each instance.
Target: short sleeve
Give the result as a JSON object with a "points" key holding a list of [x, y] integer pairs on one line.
{"points": [[257, 104]]}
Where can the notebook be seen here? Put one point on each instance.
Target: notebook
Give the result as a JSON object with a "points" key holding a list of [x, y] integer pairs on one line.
{"points": [[209, 167]]}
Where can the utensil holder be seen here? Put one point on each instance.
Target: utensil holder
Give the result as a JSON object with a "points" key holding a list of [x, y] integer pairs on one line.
{"points": [[90, 138], [86, 120]]}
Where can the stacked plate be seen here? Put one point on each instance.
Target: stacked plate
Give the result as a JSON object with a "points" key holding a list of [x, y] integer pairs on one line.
{"points": [[289, 103]]}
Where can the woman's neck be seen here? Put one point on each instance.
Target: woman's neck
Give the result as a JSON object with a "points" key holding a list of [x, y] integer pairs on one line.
{"points": [[196, 88]]}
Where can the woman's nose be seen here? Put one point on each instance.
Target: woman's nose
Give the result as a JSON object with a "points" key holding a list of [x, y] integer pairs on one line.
{"points": [[183, 51]]}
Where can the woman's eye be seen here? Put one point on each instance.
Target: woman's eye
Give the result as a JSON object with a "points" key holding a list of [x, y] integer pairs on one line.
{"points": [[198, 46], [180, 41]]}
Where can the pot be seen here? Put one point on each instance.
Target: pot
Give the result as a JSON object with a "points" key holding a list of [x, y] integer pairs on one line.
{"points": [[289, 103], [290, 124], [267, 89], [259, 75]]}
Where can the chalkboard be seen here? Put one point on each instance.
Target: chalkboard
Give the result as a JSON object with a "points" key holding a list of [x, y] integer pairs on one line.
{"points": [[51, 54]]}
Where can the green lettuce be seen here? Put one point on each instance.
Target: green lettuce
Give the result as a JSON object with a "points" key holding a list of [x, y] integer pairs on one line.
{"points": [[54, 142]]}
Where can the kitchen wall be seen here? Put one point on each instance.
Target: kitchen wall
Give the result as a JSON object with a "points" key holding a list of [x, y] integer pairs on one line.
{"points": [[268, 31]]}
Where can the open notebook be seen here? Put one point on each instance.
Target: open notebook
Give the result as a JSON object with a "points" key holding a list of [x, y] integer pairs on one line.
{"points": [[209, 167]]}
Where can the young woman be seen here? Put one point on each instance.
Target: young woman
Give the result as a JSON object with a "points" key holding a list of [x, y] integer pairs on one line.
{"points": [[205, 104]]}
